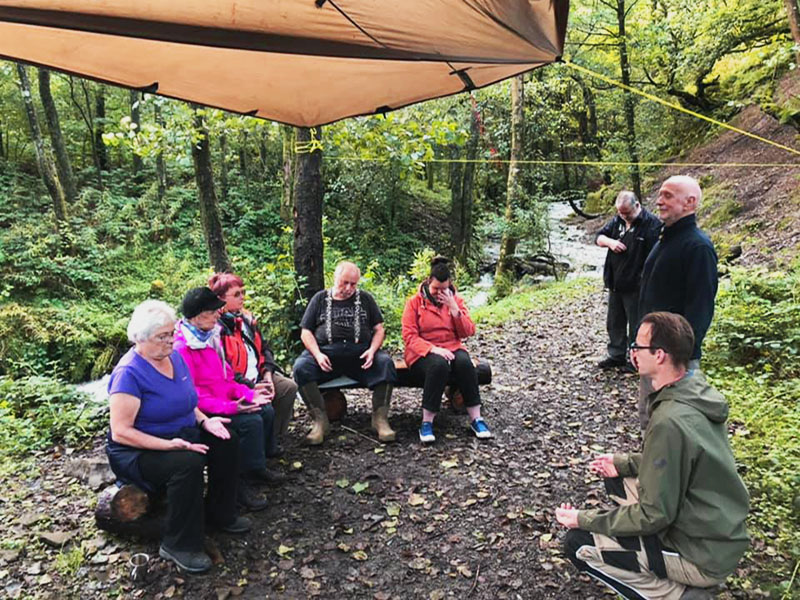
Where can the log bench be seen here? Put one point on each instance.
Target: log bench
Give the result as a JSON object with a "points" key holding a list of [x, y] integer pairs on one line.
{"points": [[336, 402]]}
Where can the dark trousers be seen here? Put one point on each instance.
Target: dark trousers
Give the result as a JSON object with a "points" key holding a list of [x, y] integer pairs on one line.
{"points": [[256, 437], [344, 357], [180, 472], [434, 373], [622, 320]]}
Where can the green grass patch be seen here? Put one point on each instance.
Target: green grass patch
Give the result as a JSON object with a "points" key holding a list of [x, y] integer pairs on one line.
{"points": [[532, 298]]}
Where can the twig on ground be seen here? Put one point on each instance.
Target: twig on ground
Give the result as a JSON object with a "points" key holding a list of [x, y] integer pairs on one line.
{"points": [[374, 523], [351, 430], [475, 582]]}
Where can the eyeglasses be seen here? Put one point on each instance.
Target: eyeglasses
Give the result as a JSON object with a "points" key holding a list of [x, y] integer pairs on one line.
{"points": [[634, 347], [164, 338]]}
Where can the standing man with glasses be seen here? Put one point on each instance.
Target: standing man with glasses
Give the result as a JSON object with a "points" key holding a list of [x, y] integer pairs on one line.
{"points": [[680, 274], [629, 237], [679, 522]]}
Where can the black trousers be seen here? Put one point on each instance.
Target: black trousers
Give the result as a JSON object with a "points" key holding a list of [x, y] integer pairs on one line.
{"points": [[180, 473], [622, 320], [434, 373]]}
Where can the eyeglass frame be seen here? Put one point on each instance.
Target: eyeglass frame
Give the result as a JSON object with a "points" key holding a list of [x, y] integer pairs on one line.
{"points": [[634, 347], [164, 338]]}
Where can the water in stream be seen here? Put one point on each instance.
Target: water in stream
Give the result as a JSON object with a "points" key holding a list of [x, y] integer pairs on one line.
{"points": [[568, 243]]}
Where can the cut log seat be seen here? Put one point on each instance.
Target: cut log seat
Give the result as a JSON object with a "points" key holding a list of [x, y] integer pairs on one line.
{"points": [[336, 402], [482, 368], [127, 510]]}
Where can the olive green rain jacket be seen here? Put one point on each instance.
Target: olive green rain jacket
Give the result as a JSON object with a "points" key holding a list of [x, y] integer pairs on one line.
{"points": [[690, 494]]}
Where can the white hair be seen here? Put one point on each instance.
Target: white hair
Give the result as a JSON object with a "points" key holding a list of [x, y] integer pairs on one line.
{"points": [[626, 197], [147, 317]]}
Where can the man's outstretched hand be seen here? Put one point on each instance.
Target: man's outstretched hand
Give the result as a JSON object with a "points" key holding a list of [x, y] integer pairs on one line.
{"points": [[603, 465], [567, 515]]}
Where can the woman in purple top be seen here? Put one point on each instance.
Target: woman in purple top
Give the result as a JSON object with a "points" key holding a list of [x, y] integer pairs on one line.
{"points": [[161, 441]]}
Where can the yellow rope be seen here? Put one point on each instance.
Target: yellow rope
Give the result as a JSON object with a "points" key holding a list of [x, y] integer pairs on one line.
{"points": [[590, 163], [675, 106]]}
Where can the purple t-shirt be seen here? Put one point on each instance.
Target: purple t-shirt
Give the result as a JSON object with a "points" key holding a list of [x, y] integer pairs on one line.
{"points": [[167, 405]]}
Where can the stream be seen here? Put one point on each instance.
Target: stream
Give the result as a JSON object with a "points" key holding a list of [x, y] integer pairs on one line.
{"points": [[568, 244]]}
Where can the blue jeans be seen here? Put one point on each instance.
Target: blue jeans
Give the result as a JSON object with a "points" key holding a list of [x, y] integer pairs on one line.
{"points": [[256, 437]]}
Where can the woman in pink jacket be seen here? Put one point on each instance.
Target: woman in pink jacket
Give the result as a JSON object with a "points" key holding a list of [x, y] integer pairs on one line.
{"points": [[197, 340], [435, 320]]}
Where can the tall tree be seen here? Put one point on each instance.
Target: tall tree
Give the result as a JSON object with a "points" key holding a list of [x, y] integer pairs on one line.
{"points": [[161, 169], [462, 194], [630, 116], [84, 108], [793, 12], [287, 172], [308, 249], [135, 97], [508, 243], [223, 164], [99, 127], [209, 211], [43, 160], [63, 165]]}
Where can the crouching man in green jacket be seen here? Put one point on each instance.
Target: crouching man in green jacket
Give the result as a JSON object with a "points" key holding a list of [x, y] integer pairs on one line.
{"points": [[678, 526]]}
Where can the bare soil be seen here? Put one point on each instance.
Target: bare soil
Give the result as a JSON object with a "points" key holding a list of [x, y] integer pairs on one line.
{"points": [[459, 519]]}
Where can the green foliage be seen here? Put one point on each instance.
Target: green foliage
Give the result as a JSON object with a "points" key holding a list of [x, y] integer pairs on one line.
{"points": [[601, 201], [752, 354], [757, 322], [41, 411]]}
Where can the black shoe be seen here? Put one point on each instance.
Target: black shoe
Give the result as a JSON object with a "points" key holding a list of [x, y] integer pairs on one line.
{"points": [[191, 562], [249, 499], [240, 525], [693, 593], [629, 368], [266, 476], [610, 363], [277, 452]]}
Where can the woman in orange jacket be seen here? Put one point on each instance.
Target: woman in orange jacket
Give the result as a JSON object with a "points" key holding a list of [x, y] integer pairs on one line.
{"points": [[435, 320]]}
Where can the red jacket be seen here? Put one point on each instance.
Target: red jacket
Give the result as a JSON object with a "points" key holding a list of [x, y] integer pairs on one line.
{"points": [[426, 325]]}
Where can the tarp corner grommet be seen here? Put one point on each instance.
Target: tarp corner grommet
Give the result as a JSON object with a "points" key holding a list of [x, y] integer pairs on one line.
{"points": [[319, 3], [149, 89]]}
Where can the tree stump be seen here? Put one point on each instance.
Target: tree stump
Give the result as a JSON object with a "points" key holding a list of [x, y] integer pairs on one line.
{"points": [[127, 510], [335, 404]]}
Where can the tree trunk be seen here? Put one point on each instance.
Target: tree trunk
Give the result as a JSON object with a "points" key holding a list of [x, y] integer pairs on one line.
{"points": [[135, 98], [429, 175], [793, 13], [209, 211], [223, 165], [63, 166], [262, 148], [461, 208], [308, 249], [630, 118], [43, 160], [508, 244], [287, 199], [100, 127], [161, 169], [243, 154]]}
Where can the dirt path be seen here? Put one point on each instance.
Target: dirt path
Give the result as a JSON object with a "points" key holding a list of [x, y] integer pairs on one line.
{"points": [[460, 519]]}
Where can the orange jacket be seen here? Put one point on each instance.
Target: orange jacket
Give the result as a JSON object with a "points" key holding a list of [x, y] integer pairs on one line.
{"points": [[426, 325]]}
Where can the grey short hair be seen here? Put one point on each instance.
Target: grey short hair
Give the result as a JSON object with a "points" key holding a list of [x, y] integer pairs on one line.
{"points": [[147, 317], [626, 197]]}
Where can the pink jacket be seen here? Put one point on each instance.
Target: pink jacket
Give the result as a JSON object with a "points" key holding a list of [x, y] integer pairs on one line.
{"points": [[217, 392]]}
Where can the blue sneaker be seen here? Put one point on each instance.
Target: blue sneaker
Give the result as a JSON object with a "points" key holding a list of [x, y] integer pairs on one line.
{"points": [[480, 429], [426, 433]]}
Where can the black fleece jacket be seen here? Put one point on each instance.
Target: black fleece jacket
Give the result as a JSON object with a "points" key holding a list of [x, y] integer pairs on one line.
{"points": [[680, 276]]}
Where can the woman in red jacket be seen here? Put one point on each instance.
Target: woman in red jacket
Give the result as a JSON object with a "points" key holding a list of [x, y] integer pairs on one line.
{"points": [[435, 320]]}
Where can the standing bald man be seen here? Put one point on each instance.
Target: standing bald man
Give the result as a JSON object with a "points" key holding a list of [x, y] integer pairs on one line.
{"points": [[680, 274]]}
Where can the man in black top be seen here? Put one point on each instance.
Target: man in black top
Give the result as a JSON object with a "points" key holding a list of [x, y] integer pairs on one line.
{"points": [[680, 274], [629, 237], [342, 330]]}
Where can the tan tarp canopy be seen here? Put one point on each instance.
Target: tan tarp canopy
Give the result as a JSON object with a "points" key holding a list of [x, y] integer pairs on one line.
{"points": [[303, 62]]}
